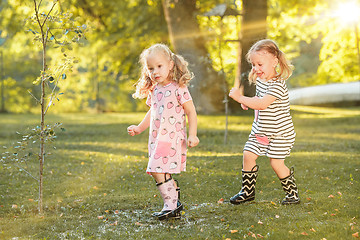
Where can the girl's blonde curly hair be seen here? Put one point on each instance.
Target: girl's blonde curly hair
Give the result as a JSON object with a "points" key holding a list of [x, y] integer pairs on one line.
{"points": [[179, 73], [285, 67]]}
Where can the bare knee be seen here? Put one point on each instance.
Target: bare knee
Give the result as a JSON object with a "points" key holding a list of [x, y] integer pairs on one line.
{"points": [[249, 160], [160, 177]]}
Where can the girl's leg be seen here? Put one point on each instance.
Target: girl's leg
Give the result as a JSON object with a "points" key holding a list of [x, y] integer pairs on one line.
{"points": [[249, 175], [169, 194], [249, 160], [279, 167], [167, 189], [287, 180], [160, 177]]}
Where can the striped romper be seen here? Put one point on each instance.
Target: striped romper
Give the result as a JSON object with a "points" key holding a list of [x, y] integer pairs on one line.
{"points": [[272, 132]]}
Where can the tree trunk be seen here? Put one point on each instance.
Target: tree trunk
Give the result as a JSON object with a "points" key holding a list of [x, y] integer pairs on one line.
{"points": [[2, 87], [42, 122], [208, 87], [44, 38], [253, 28]]}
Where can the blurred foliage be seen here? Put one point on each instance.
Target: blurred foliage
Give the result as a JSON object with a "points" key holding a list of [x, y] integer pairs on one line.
{"points": [[321, 47], [320, 44]]}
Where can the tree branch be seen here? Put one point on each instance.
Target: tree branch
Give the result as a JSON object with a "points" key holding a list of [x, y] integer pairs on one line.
{"points": [[53, 91], [34, 97], [39, 5], [47, 15], [22, 169]]}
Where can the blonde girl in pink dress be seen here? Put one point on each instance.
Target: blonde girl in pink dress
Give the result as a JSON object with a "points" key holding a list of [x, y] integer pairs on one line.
{"points": [[163, 81]]}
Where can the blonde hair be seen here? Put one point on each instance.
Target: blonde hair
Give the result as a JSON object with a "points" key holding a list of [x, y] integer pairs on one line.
{"points": [[179, 73], [270, 46]]}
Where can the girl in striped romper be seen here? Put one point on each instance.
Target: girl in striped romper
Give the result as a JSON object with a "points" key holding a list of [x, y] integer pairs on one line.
{"points": [[272, 132]]}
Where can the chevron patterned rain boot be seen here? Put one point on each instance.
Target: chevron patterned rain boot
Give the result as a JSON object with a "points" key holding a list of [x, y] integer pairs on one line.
{"points": [[247, 192], [290, 188]]}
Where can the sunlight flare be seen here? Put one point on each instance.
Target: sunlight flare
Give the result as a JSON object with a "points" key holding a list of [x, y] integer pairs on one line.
{"points": [[348, 12]]}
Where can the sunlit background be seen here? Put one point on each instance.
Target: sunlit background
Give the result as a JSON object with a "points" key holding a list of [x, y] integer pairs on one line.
{"points": [[348, 12], [321, 38]]}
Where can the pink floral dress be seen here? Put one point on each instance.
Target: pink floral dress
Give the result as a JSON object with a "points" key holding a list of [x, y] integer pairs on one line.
{"points": [[167, 134]]}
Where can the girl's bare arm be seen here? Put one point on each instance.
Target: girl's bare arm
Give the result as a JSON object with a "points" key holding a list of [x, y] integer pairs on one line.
{"points": [[190, 112]]}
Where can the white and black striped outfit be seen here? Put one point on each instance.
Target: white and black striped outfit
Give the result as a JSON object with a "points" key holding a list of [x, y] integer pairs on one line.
{"points": [[274, 122]]}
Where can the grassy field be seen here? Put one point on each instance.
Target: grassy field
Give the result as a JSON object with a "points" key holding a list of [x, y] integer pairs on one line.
{"points": [[96, 186]]}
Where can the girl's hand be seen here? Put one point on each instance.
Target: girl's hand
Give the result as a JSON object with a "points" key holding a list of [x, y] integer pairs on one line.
{"points": [[235, 93], [193, 141], [133, 130]]}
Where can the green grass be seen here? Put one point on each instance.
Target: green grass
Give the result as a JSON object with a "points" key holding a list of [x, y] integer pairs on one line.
{"points": [[98, 170]]}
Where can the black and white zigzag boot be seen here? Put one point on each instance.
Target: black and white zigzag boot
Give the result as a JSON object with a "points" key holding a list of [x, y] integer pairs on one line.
{"points": [[247, 192], [290, 188]]}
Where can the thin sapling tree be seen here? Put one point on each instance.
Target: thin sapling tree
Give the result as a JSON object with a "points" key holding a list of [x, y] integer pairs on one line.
{"points": [[54, 31]]}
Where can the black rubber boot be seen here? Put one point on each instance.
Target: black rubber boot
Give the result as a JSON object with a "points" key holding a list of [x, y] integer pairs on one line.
{"points": [[168, 214], [247, 192], [290, 188]]}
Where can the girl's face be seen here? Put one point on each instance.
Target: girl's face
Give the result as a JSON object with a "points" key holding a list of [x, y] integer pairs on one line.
{"points": [[159, 67], [263, 64]]}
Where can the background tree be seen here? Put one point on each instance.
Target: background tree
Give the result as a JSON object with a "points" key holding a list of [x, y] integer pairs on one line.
{"points": [[253, 28], [2, 87], [19, 69], [57, 30], [207, 85], [312, 33], [321, 47], [120, 31]]}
